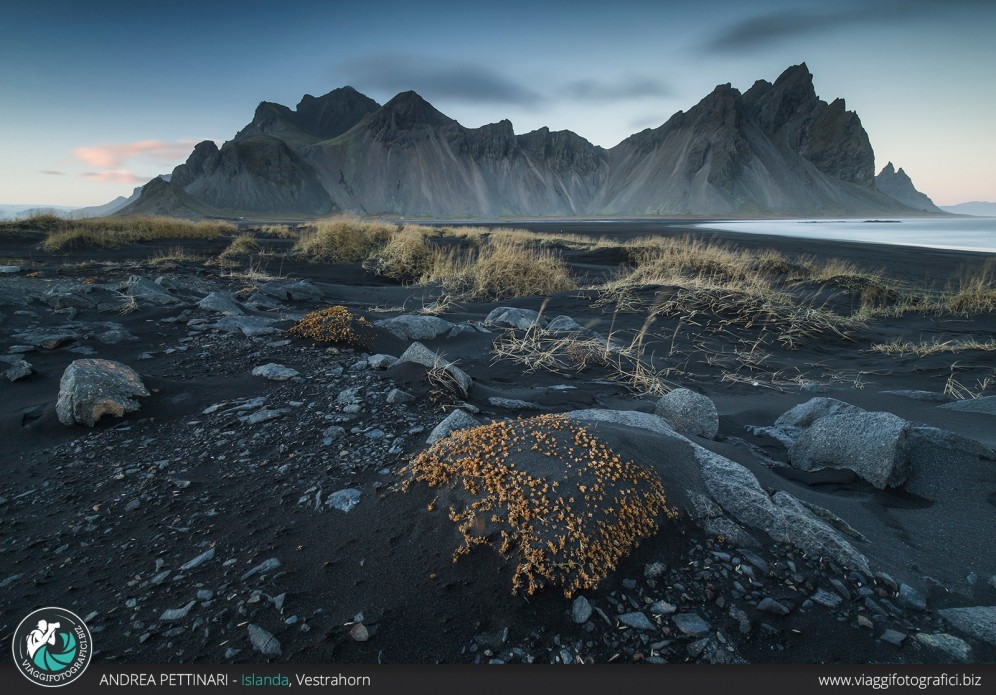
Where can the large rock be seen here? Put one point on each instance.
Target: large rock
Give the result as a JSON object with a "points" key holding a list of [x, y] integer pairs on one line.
{"points": [[986, 405], [295, 290], [797, 420], [457, 420], [512, 317], [150, 292], [92, 388], [220, 303], [418, 353], [411, 327], [626, 418], [249, 326], [689, 413], [977, 621], [876, 446]]}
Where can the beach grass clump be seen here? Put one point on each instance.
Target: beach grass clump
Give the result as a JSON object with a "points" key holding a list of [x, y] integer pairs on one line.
{"points": [[499, 269], [546, 493], [343, 239], [335, 325], [241, 246], [924, 348], [115, 232], [975, 295], [407, 256]]}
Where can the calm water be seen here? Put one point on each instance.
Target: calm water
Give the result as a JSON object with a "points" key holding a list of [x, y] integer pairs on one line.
{"points": [[961, 233]]}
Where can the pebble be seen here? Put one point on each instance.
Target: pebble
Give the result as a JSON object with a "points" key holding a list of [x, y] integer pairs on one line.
{"points": [[911, 598], [691, 624], [197, 561], [359, 632], [263, 567], [770, 605], [637, 620], [580, 610], [893, 637], [263, 641], [171, 614], [344, 500]]}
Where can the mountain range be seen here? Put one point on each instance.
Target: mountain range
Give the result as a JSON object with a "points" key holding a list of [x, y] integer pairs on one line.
{"points": [[776, 149]]}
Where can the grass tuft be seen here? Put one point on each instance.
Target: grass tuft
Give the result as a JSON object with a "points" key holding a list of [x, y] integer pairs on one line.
{"points": [[343, 239]]}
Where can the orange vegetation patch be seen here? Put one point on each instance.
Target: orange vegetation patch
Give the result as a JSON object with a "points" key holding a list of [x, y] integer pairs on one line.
{"points": [[334, 325], [546, 491]]}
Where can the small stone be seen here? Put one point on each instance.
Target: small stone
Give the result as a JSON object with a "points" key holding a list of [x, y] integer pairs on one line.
{"points": [[197, 561], [132, 505], [231, 653], [344, 500], [580, 610], [359, 632], [172, 614], [265, 415], [865, 623], [826, 598], [381, 361], [769, 605], [911, 598], [654, 570], [263, 567], [263, 641], [691, 624], [893, 637], [275, 372], [19, 370], [663, 608], [637, 621], [205, 595], [399, 396]]}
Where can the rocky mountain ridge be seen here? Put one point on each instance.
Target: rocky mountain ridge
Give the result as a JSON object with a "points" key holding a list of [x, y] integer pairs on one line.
{"points": [[776, 149]]}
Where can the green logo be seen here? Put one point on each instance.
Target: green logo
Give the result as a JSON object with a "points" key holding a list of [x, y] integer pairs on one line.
{"points": [[52, 647]]}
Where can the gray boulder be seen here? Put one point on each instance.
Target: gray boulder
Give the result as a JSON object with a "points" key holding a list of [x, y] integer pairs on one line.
{"points": [[249, 326], [977, 621], [418, 353], [275, 372], [809, 533], [876, 446], [986, 405], [220, 303], [295, 290], [953, 648], [381, 361], [627, 418], [412, 327], [511, 317], [19, 370], [689, 413], [149, 292], [792, 423], [92, 388], [457, 420]]}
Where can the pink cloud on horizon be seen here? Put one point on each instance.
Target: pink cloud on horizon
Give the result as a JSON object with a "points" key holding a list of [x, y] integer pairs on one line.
{"points": [[108, 156], [114, 176]]}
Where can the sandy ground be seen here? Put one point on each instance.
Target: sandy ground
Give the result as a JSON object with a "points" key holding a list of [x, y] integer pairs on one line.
{"points": [[93, 518]]}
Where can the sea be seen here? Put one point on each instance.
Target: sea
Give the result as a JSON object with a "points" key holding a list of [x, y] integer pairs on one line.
{"points": [[958, 233]]}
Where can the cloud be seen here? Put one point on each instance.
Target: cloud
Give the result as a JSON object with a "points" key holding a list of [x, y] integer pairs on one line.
{"points": [[114, 176], [635, 87], [110, 156], [396, 72], [763, 30], [52, 172]]}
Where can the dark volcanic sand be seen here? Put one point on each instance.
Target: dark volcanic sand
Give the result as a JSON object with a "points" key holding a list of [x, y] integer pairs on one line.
{"points": [[71, 538]]}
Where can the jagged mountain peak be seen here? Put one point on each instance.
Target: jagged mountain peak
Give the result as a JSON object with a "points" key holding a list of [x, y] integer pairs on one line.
{"points": [[897, 184]]}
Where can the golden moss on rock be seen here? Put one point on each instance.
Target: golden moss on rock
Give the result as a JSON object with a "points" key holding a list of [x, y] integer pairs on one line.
{"points": [[547, 492], [334, 325]]}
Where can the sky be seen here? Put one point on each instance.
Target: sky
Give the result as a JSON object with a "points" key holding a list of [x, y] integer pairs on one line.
{"points": [[97, 97]]}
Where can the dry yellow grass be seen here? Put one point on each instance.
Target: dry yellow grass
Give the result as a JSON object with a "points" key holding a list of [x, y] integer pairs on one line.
{"points": [[901, 348], [242, 245], [407, 256], [343, 239], [499, 269], [112, 232], [547, 492]]}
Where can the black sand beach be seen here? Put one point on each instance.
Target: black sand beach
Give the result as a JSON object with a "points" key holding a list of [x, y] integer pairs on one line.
{"points": [[159, 528]]}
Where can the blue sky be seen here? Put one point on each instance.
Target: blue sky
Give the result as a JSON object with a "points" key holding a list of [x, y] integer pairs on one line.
{"points": [[97, 97]]}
